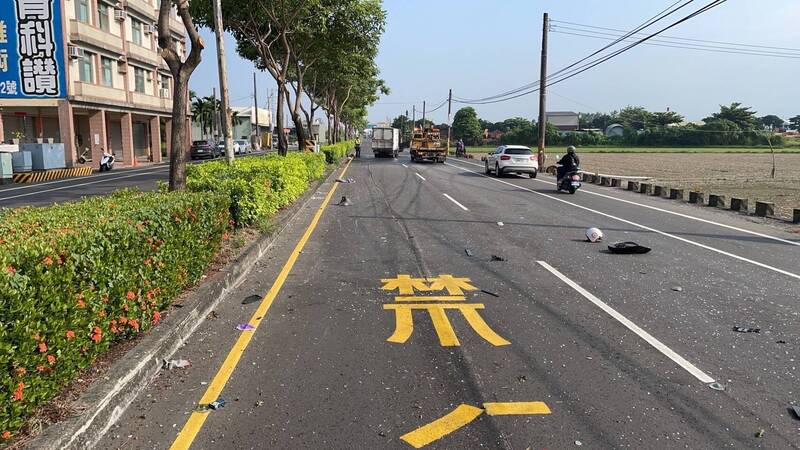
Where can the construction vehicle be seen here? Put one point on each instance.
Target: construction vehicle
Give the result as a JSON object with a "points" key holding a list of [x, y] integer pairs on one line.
{"points": [[427, 145]]}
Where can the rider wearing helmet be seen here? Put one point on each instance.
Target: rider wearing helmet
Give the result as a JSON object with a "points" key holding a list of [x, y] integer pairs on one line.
{"points": [[569, 162]]}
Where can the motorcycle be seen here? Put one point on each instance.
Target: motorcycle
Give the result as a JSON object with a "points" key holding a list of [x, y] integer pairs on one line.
{"points": [[107, 162], [570, 182]]}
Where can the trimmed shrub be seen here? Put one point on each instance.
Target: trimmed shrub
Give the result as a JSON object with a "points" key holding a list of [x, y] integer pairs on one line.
{"points": [[335, 152], [257, 186], [77, 276]]}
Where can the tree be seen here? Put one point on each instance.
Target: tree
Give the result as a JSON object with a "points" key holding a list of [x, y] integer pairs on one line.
{"points": [[770, 122], [181, 70], [664, 119], [466, 126], [596, 120], [635, 117], [795, 121], [515, 123], [742, 116]]}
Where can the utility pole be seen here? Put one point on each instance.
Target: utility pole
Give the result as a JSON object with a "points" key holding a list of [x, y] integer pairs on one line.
{"points": [[449, 124], [223, 82], [255, 113], [413, 118], [423, 115], [404, 127], [542, 88]]}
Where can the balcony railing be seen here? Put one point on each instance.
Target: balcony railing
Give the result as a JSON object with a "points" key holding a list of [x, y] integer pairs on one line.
{"points": [[142, 54], [98, 92], [83, 32]]}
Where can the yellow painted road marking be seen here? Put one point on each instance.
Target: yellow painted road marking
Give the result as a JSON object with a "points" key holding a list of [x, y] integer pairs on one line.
{"points": [[405, 284], [424, 298], [482, 328], [515, 408], [447, 336], [404, 322], [403, 327], [443, 426], [196, 420], [453, 285]]}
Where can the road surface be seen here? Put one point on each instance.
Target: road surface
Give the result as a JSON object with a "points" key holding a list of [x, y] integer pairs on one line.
{"points": [[392, 324]]}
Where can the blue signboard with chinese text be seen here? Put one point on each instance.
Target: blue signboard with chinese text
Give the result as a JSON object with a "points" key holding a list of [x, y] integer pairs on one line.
{"points": [[32, 50]]}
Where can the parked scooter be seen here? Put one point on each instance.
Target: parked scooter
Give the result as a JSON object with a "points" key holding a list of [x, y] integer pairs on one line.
{"points": [[107, 162], [570, 182]]}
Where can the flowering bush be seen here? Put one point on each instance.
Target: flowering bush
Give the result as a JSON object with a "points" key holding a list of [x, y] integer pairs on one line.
{"points": [[77, 276], [258, 186], [335, 152]]}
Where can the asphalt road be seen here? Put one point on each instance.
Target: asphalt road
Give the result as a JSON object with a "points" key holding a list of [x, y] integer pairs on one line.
{"points": [[560, 345], [58, 191]]}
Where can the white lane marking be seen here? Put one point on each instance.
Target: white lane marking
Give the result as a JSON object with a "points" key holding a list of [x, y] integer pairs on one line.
{"points": [[454, 201], [685, 216], [420, 176], [404, 166], [644, 227], [65, 180], [77, 185], [666, 351]]}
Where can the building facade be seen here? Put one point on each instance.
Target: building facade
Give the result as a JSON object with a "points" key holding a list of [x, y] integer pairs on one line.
{"points": [[243, 126], [88, 74]]}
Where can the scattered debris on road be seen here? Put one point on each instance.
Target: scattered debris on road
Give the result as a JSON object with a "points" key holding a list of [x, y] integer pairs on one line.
{"points": [[594, 235], [497, 258], [217, 404], [212, 315], [677, 289], [345, 181], [746, 330], [578, 443], [176, 364], [251, 299], [717, 386], [500, 223], [628, 248], [760, 433], [796, 410], [468, 252], [490, 293], [344, 201], [245, 327], [780, 342]]}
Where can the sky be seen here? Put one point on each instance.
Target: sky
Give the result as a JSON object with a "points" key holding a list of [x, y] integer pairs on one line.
{"points": [[481, 48]]}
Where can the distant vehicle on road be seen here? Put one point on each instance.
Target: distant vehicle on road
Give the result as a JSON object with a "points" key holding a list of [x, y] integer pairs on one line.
{"points": [[205, 148], [512, 159], [385, 142], [427, 145], [242, 146]]}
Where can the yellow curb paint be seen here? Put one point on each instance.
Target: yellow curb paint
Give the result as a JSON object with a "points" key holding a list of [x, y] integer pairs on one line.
{"points": [[443, 426], [196, 420], [516, 408]]}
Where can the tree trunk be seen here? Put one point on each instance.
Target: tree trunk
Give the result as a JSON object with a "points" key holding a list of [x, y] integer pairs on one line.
{"points": [[177, 166], [283, 146]]}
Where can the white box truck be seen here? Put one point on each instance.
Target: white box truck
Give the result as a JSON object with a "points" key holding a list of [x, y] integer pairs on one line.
{"points": [[385, 142]]}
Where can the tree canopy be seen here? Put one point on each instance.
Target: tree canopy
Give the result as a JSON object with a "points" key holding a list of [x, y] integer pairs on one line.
{"points": [[466, 126]]}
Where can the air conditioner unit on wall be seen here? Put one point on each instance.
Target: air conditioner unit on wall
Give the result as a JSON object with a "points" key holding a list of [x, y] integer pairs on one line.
{"points": [[120, 15], [164, 92], [122, 65], [148, 29], [75, 52]]}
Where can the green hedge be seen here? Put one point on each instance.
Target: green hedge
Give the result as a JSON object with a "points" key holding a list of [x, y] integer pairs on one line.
{"points": [[76, 277], [335, 152], [258, 186]]}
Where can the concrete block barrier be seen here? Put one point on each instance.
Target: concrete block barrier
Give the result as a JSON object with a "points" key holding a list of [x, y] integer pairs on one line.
{"points": [[602, 181], [633, 186], [697, 197], [644, 188], [739, 204], [716, 201], [615, 182], [764, 209], [586, 176], [676, 194], [796, 216], [658, 191]]}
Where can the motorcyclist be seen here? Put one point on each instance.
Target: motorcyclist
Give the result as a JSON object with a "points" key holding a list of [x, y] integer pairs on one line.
{"points": [[568, 163], [460, 148]]}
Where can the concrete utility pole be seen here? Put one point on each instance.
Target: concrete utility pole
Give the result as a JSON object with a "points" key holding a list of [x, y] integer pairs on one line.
{"points": [[223, 82], [269, 108], [404, 128], [542, 90], [255, 113], [413, 118], [423, 115], [449, 124]]}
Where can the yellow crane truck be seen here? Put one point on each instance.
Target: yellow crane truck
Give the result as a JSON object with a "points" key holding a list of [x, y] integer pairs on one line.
{"points": [[427, 145]]}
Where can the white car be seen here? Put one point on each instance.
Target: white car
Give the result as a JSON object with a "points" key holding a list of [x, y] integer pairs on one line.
{"points": [[512, 159], [242, 146]]}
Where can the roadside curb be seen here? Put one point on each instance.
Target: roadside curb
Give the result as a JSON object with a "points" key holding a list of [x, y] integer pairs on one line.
{"points": [[106, 400]]}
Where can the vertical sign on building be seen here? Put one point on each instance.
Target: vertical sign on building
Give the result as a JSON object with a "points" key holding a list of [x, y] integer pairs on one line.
{"points": [[31, 50]]}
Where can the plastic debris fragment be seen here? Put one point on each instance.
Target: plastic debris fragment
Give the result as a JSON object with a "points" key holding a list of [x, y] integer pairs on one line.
{"points": [[245, 327]]}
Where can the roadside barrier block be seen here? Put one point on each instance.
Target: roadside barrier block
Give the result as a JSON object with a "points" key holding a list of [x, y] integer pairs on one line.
{"points": [[633, 185], [739, 204], [716, 200], [605, 181], [658, 191], [796, 216], [585, 177], [697, 197], [615, 182], [644, 188], [598, 179], [764, 209], [676, 194]]}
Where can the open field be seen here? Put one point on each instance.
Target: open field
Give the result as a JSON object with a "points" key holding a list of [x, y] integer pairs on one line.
{"points": [[582, 150]]}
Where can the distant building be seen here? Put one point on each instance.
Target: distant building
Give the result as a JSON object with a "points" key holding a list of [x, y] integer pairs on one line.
{"points": [[244, 129], [564, 120], [615, 130]]}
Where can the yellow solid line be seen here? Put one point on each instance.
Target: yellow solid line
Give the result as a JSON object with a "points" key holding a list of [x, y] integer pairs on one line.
{"points": [[514, 408], [196, 420], [443, 426], [422, 298]]}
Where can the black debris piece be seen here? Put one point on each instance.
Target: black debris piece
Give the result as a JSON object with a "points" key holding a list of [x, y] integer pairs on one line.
{"points": [[344, 201], [796, 410], [489, 293], [468, 252], [628, 248], [251, 299], [497, 258], [746, 330], [780, 342]]}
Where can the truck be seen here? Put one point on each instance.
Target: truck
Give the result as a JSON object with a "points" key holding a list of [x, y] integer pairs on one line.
{"points": [[385, 142], [427, 145]]}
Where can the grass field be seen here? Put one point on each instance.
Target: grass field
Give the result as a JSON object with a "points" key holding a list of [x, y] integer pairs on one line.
{"points": [[560, 149]]}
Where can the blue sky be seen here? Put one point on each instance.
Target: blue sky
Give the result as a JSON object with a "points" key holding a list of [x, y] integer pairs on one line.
{"points": [[480, 48]]}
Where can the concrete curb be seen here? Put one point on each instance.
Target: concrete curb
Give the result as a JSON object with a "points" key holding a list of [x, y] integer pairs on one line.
{"points": [[107, 399]]}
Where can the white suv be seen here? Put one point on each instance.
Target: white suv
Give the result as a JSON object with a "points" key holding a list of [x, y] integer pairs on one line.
{"points": [[512, 159]]}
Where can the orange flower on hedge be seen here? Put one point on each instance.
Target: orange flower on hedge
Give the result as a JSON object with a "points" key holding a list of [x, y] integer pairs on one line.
{"points": [[148, 261], [41, 368], [70, 334], [42, 347], [134, 324], [51, 359], [123, 320], [20, 371], [156, 317], [18, 392], [81, 303], [10, 269], [131, 295], [6, 435], [102, 313], [225, 236], [97, 337], [47, 261], [113, 327]]}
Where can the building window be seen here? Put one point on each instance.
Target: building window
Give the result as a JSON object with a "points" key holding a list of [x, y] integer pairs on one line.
{"points": [[138, 76], [105, 67], [136, 32], [102, 16], [85, 70], [82, 10], [164, 86]]}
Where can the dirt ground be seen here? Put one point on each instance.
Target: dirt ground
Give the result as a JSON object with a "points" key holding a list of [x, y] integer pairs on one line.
{"points": [[734, 175]]}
